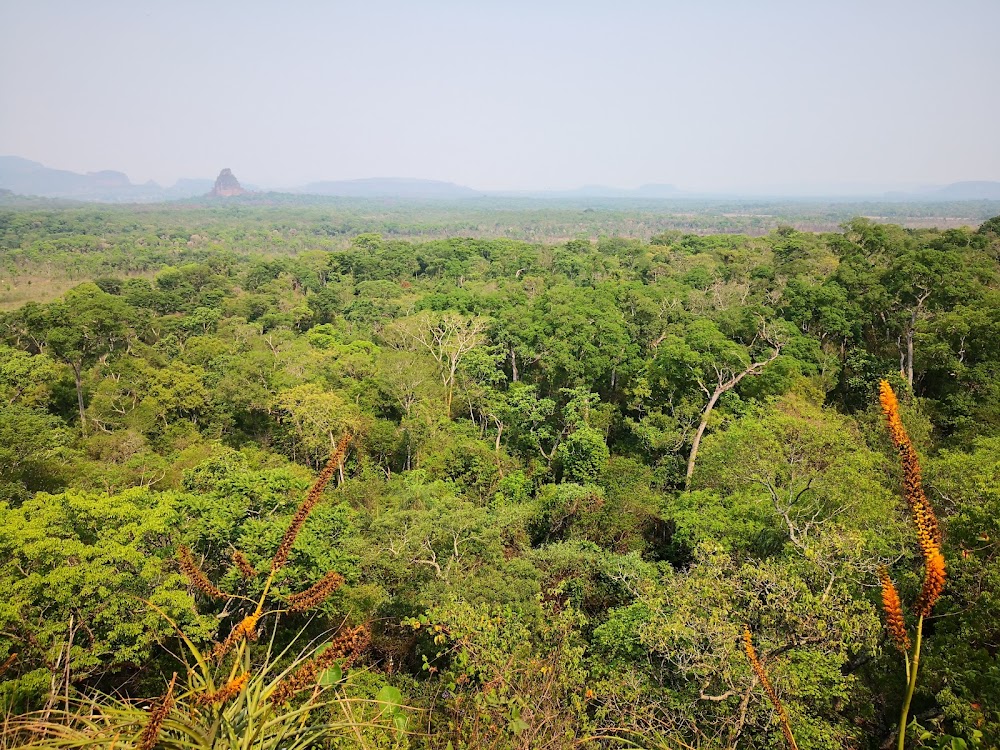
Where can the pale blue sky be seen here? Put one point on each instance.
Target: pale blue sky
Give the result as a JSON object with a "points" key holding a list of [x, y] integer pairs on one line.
{"points": [[706, 94]]}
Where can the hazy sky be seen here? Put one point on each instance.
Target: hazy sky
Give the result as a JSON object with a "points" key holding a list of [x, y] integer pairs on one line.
{"points": [[704, 94]]}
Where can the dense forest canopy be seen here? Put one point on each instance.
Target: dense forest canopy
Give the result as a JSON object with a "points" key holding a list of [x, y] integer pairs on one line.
{"points": [[574, 469]]}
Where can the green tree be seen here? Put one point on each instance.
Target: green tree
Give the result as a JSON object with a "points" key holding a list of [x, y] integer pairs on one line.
{"points": [[448, 337], [76, 569], [319, 418], [583, 455], [705, 360], [25, 378], [30, 443], [84, 327]]}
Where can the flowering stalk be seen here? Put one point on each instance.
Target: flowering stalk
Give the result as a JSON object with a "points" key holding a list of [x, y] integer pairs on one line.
{"points": [[928, 533], [317, 593], [197, 577], [243, 565], [315, 492], [893, 612], [934, 575], [157, 715], [929, 541], [349, 643], [7, 662], [772, 694]]}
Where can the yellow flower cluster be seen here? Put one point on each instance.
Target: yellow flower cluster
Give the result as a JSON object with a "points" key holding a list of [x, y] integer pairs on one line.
{"points": [[247, 629], [224, 693]]}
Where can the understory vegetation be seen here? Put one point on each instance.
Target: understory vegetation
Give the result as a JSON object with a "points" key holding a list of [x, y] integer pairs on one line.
{"points": [[590, 494]]}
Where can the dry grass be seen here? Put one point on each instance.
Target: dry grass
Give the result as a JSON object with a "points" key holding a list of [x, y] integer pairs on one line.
{"points": [[43, 286]]}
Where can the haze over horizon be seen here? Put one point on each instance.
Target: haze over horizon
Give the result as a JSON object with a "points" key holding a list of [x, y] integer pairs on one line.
{"points": [[709, 97]]}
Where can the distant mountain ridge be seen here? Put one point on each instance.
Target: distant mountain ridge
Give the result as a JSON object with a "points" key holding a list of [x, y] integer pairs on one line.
{"points": [[973, 190], [30, 178], [970, 190], [26, 177]]}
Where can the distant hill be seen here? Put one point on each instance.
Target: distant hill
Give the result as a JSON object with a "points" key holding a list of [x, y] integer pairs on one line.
{"points": [[389, 187], [31, 178], [657, 191], [976, 190], [24, 177]]}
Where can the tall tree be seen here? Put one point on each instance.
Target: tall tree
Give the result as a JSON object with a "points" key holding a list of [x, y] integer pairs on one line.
{"points": [[707, 360], [81, 329], [447, 336]]}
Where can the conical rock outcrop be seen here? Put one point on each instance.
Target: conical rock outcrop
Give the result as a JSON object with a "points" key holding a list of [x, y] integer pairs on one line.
{"points": [[227, 185]]}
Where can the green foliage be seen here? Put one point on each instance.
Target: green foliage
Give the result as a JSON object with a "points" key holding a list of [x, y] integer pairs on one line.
{"points": [[583, 455], [510, 518], [30, 443], [511, 683], [77, 568]]}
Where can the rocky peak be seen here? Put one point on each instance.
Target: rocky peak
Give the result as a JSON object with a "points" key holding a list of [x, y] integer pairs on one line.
{"points": [[226, 185]]}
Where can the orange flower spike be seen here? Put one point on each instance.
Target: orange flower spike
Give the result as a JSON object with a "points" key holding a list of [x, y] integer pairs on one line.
{"points": [[890, 408], [934, 577], [894, 622], [243, 565], [929, 539], [348, 645], [7, 663], [758, 668], [928, 532]]}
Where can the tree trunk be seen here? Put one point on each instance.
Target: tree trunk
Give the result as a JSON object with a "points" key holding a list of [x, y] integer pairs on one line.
{"points": [[77, 378], [450, 386], [499, 425], [698, 435], [909, 336], [909, 349], [724, 385]]}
